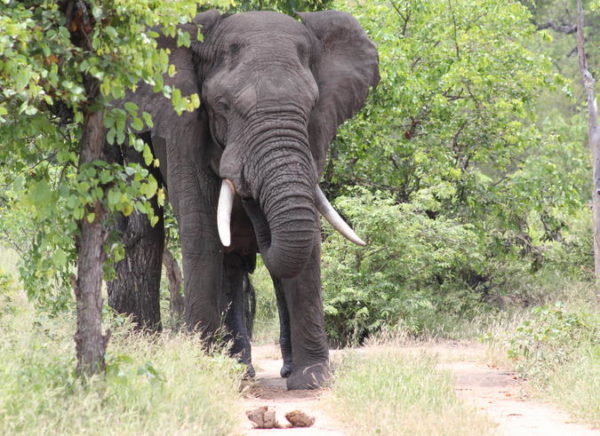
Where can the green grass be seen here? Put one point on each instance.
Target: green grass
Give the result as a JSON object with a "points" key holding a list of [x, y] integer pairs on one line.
{"points": [[388, 393], [158, 385], [266, 323]]}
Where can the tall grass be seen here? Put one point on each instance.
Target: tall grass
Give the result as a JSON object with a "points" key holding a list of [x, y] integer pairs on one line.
{"points": [[556, 347], [388, 393], [266, 323], [155, 385], [577, 385]]}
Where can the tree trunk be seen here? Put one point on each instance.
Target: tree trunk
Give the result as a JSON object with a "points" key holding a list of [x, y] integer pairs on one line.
{"points": [[593, 138], [175, 278], [136, 289], [89, 341]]}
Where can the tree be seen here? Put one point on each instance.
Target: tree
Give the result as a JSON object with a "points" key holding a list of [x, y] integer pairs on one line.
{"points": [[63, 63], [593, 135], [466, 145]]}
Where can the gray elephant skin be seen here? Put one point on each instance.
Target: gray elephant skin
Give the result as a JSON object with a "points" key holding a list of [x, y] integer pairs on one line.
{"points": [[242, 171]]}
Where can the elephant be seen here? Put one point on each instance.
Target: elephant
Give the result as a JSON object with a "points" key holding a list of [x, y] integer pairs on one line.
{"points": [[242, 170]]}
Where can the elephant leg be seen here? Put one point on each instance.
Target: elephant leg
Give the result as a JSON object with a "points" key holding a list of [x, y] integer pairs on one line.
{"points": [[136, 289], [237, 332], [309, 349], [202, 266], [249, 304], [285, 335], [193, 192]]}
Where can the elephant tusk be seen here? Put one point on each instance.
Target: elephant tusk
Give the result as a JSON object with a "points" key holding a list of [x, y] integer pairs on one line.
{"points": [[224, 212], [334, 218]]}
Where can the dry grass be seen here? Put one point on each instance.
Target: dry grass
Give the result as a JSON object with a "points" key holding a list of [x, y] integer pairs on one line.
{"points": [[391, 392], [161, 385], [8, 261]]}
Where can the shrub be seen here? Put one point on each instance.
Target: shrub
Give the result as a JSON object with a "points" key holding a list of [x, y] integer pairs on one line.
{"points": [[414, 270], [550, 338]]}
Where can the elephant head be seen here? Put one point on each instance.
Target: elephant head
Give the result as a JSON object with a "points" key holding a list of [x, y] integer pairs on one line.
{"points": [[273, 92]]}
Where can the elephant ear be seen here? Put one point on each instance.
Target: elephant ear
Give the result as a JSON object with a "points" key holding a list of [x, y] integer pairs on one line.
{"points": [[167, 123], [169, 129], [345, 66]]}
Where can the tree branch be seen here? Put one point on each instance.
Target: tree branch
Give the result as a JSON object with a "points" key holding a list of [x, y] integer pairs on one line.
{"points": [[561, 28]]}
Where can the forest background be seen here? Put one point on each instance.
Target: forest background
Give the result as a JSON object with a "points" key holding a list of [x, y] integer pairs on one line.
{"points": [[467, 173]]}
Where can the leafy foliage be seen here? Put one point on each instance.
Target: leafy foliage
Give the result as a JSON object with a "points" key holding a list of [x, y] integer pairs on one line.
{"points": [[546, 341], [414, 268], [474, 190], [57, 68]]}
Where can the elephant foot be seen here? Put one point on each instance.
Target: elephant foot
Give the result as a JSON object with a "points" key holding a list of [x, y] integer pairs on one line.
{"points": [[286, 370], [249, 373], [309, 377]]}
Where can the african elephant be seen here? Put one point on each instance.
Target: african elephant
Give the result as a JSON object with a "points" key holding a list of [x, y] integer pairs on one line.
{"points": [[242, 171]]}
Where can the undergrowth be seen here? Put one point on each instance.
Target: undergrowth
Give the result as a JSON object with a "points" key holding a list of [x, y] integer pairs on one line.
{"points": [[154, 385], [555, 346]]}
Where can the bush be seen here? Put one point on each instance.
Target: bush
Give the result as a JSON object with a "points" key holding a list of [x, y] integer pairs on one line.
{"points": [[415, 269], [557, 348], [266, 322]]}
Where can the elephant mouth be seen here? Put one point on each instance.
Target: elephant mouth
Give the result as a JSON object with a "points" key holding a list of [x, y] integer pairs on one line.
{"points": [[260, 222]]}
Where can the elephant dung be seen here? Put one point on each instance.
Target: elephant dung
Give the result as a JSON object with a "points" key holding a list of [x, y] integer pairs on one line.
{"points": [[299, 419], [262, 417]]}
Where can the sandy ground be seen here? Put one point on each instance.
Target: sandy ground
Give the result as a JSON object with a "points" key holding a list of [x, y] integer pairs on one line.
{"points": [[269, 390], [500, 394], [503, 396]]}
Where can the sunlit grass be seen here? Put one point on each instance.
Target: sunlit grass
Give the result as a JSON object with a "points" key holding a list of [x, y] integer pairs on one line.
{"points": [[387, 392], [8, 261], [162, 385], [266, 323]]}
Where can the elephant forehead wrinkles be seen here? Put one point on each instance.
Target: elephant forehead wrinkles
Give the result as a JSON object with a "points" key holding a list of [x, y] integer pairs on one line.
{"points": [[262, 21]]}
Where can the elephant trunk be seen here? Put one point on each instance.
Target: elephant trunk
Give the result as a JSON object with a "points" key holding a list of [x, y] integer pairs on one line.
{"points": [[284, 213]]}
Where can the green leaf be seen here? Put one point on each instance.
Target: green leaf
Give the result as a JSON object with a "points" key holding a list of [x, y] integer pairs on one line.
{"points": [[148, 119], [149, 189], [147, 154], [183, 38], [137, 124]]}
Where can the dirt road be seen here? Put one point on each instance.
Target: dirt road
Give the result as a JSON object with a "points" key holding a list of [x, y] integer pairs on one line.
{"points": [[498, 393], [269, 390]]}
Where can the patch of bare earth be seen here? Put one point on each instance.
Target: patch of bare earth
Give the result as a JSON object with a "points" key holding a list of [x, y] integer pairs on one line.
{"points": [[269, 390], [502, 395]]}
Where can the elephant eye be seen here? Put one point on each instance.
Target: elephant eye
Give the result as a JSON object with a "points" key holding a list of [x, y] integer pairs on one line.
{"points": [[302, 54], [234, 53], [234, 49], [223, 105]]}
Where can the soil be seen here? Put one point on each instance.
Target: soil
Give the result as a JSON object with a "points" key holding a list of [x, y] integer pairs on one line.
{"points": [[500, 394], [269, 390]]}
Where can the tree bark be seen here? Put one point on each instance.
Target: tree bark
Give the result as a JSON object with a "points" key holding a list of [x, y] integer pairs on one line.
{"points": [[136, 289], [90, 343], [593, 138], [176, 303]]}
